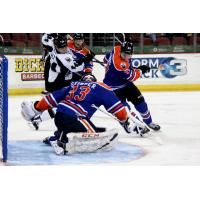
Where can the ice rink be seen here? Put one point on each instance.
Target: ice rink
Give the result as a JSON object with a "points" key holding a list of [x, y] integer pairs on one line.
{"points": [[177, 144]]}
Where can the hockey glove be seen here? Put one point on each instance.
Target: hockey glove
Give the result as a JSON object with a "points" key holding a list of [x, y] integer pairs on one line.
{"points": [[90, 56], [144, 69], [79, 61], [86, 59], [129, 126]]}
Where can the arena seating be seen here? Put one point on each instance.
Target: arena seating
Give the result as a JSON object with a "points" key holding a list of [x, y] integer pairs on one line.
{"points": [[148, 41], [21, 39], [16, 43], [179, 41], [163, 41]]}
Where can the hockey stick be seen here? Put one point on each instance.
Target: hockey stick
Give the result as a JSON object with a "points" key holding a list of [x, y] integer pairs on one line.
{"points": [[134, 119], [155, 139], [119, 39], [101, 62], [103, 111], [1, 37]]}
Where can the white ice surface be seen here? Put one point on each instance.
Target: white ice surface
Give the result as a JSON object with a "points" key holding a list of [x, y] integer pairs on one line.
{"points": [[176, 112]]}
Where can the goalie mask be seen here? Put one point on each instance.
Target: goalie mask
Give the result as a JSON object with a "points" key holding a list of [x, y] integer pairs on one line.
{"points": [[89, 78]]}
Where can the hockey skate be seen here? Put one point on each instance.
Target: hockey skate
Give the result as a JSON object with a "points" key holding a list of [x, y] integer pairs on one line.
{"points": [[46, 141], [140, 128], [49, 139], [34, 124], [57, 149], [154, 126], [54, 137]]}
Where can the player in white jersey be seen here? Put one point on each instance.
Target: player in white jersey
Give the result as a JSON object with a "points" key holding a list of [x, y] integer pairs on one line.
{"points": [[60, 64]]}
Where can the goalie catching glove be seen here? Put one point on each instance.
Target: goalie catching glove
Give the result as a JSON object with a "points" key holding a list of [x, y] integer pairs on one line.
{"points": [[28, 110]]}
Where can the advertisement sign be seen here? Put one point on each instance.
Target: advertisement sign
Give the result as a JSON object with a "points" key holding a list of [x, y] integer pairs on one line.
{"points": [[167, 70], [25, 71]]}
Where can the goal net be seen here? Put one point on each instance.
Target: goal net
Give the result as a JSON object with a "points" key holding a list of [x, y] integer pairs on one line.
{"points": [[3, 107]]}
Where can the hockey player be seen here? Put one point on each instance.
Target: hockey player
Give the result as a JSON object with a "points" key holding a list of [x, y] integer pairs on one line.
{"points": [[61, 67], [47, 42], [77, 46], [75, 106], [120, 76], [57, 75]]}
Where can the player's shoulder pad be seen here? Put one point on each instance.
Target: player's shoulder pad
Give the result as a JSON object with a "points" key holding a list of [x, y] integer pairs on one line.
{"points": [[119, 64], [70, 44], [117, 49]]}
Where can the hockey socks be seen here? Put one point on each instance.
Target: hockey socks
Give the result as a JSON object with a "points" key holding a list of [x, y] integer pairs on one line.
{"points": [[142, 108]]}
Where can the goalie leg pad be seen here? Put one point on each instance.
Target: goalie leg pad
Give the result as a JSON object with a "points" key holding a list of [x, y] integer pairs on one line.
{"points": [[91, 142], [110, 144]]}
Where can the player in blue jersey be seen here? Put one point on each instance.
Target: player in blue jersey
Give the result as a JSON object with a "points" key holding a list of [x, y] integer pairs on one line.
{"points": [[76, 104], [120, 76]]}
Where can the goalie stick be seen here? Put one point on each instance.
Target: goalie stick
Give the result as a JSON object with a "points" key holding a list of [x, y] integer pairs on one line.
{"points": [[133, 118], [155, 139]]}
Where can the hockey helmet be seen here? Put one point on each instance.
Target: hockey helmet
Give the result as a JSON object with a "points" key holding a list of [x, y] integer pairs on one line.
{"points": [[89, 78], [60, 42], [78, 36], [127, 47]]}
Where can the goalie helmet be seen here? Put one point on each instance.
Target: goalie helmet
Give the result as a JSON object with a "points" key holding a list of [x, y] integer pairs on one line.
{"points": [[89, 78], [60, 42], [127, 47]]}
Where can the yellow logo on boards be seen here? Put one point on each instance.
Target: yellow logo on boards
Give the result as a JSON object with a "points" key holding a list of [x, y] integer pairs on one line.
{"points": [[29, 65]]}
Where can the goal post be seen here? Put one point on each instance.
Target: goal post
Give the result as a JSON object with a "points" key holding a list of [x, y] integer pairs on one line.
{"points": [[3, 107]]}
